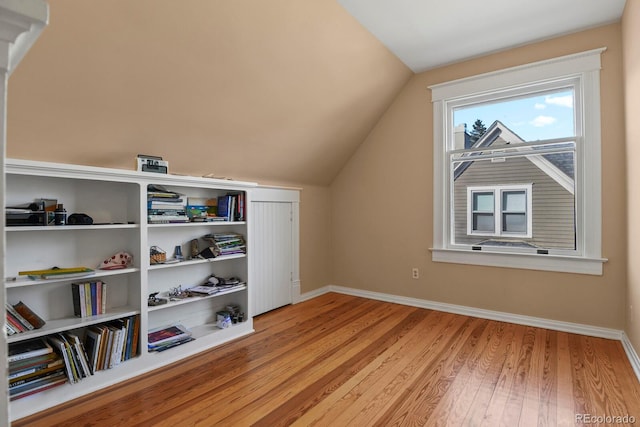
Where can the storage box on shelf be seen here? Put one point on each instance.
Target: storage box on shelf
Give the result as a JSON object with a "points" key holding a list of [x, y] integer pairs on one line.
{"points": [[117, 202]]}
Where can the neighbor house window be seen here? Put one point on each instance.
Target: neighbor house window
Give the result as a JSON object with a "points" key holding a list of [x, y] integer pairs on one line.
{"points": [[499, 211], [517, 167]]}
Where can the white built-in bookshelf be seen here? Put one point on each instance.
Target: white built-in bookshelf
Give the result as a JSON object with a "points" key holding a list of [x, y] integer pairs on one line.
{"points": [[116, 200]]}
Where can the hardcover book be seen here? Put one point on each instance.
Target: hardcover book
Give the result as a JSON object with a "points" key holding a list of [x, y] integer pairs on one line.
{"points": [[29, 315], [29, 348]]}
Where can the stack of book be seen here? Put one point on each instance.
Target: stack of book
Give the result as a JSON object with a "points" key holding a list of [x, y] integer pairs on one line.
{"points": [[21, 318], [226, 243], [33, 367], [89, 298], [164, 207], [160, 339], [232, 207], [58, 273], [112, 343], [201, 209]]}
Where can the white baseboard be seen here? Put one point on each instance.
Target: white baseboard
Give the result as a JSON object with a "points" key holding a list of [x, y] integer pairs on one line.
{"points": [[295, 292], [631, 354], [556, 325], [312, 294]]}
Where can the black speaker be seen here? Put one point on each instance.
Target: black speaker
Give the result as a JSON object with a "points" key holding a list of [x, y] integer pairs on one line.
{"points": [[79, 219]]}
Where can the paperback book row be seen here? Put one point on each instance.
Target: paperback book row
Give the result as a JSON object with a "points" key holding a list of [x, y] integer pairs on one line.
{"points": [[20, 318], [89, 298], [43, 363], [230, 207], [165, 207]]}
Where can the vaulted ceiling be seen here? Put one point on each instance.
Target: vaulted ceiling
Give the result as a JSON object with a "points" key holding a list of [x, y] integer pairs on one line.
{"points": [[276, 91]]}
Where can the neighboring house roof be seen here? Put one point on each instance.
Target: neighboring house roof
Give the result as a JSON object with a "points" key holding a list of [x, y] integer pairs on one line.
{"points": [[559, 166]]}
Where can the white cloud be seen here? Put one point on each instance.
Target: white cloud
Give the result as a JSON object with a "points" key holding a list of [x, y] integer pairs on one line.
{"points": [[541, 121], [562, 101], [539, 106]]}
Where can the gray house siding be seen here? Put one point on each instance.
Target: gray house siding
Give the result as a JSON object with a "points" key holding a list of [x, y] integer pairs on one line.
{"points": [[553, 206]]}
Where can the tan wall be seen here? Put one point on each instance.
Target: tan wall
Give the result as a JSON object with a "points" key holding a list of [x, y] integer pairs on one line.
{"points": [[382, 205], [279, 90], [315, 238], [631, 44], [276, 92]]}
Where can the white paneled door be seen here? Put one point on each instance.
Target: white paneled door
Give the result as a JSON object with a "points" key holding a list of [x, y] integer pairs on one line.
{"points": [[272, 241]]}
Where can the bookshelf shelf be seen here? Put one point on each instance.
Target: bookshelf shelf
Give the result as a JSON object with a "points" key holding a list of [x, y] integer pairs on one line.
{"points": [[207, 329], [195, 262], [191, 300], [67, 228], [23, 281], [198, 224], [61, 325]]}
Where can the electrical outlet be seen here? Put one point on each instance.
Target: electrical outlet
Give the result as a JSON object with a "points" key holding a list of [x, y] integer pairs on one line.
{"points": [[415, 273]]}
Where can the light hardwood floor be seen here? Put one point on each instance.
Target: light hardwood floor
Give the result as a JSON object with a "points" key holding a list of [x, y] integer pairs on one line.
{"points": [[339, 360]]}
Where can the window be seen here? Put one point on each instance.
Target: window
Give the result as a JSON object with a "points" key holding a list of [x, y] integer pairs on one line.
{"points": [[483, 218], [517, 167], [499, 211]]}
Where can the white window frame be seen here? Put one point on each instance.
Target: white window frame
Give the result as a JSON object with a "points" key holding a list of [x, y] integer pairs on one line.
{"points": [[584, 69], [498, 210]]}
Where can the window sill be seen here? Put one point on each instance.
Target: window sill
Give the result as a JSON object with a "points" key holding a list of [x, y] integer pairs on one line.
{"points": [[564, 264]]}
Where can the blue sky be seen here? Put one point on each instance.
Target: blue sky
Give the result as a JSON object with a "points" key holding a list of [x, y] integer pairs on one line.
{"points": [[541, 117]]}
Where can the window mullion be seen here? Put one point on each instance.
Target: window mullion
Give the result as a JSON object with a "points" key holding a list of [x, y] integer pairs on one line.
{"points": [[497, 199]]}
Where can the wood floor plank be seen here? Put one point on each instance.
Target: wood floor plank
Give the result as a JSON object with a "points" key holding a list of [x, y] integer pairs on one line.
{"points": [[521, 372], [453, 408], [432, 373], [625, 375], [245, 392], [531, 403], [388, 385], [453, 379], [342, 360], [393, 358], [329, 368], [566, 405], [507, 385], [478, 408], [539, 407]]}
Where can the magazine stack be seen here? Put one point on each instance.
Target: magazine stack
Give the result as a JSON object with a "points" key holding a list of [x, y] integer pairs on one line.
{"points": [[165, 207], [166, 337], [34, 367], [226, 243]]}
